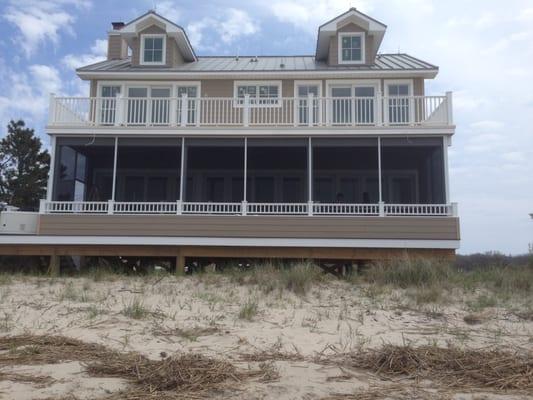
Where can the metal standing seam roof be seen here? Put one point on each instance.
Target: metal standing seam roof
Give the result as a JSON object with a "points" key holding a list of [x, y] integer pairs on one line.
{"points": [[384, 62]]}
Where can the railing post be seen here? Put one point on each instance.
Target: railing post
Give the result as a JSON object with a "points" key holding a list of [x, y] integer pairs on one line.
{"points": [[184, 110], [178, 207], [42, 206], [110, 206], [378, 117], [52, 109], [310, 208], [246, 110], [449, 107], [120, 113], [244, 207], [381, 209], [455, 210], [385, 110], [173, 111], [310, 108]]}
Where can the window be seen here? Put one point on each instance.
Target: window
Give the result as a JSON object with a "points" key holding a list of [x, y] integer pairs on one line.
{"points": [[303, 91], [261, 94], [351, 48], [152, 49], [108, 104]]}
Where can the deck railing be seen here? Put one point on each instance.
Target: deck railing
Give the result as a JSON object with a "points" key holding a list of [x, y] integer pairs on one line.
{"points": [[244, 208], [183, 112]]}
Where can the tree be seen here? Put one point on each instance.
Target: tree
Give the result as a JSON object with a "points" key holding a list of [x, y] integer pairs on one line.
{"points": [[24, 167]]}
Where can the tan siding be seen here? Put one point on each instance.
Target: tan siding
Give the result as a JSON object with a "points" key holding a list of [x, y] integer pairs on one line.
{"points": [[93, 88], [217, 88], [333, 57], [418, 87], [116, 48], [430, 228]]}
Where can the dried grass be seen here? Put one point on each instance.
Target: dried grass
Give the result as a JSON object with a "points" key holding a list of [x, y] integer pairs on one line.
{"points": [[39, 381], [395, 391], [449, 367], [185, 375]]}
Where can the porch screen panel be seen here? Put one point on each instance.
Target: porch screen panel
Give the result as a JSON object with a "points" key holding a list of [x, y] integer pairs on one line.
{"points": [[84, 169], [277, 170], [345, 171], [413, 170], [215, 170], [148, 169]]}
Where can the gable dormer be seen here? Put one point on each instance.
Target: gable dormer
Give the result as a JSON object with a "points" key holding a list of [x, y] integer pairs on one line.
{"points": [[352, 38], [154, 42]]}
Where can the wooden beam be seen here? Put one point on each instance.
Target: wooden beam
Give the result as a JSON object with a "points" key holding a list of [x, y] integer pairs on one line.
{"points": [[54, 267], [303, 253]]}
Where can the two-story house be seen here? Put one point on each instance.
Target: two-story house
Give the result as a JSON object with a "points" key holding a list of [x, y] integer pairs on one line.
{"points": [[338, 155]]}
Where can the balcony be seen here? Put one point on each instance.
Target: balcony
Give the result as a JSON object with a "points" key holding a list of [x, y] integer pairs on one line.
{"points": [[311, 112]]}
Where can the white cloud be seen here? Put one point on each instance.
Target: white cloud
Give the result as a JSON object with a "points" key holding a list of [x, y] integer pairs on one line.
{"points": [[39, 21], [98, 53], [169, 10], [232, 24], [236, 23]]}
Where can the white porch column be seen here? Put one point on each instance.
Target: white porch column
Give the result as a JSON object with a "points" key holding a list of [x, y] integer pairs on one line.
{"points": [[182, 171], [310, 108], [445, 145], [51, 171], [379, 170], [309, 176], [244, 205], [52, 109], [449, 107], [184, 110], [246, 110]]}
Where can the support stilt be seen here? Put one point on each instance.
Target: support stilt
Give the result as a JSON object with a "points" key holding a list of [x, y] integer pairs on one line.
{"points": [[53, 268]]}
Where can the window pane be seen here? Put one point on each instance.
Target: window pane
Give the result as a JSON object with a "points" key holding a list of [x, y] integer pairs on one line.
{"points": [[356, 42], [158, 43], [148, 43], [160, 92], [364, 92], [346, 54], [110, 91], [137, 92], [356, 55], [157, 56]]}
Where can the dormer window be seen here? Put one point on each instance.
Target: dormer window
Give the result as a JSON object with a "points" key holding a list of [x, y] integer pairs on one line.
{"points": [[153, 49], [351, 48]]}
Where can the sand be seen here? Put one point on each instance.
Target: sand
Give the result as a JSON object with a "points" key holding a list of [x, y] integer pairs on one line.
{"points": [[152, 315]]}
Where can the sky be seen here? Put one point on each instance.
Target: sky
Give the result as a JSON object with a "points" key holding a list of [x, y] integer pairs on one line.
{"points": [[484, 49]]}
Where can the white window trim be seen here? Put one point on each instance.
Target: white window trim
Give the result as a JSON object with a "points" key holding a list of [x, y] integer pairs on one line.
{"points": [[388, 82], [164, 55], [363, 47], [332, 83], [238, 103], [307, 83]]}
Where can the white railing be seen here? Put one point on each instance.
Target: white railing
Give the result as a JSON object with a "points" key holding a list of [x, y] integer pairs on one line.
{"points": [[221, 111], [211, 208], [276, 208], [345, 209], [74, 207], [122, 207], [419, 209], [177, 207]]}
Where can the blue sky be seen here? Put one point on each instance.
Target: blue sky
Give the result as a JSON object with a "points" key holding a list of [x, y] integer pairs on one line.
{"points": [[484, 49]]}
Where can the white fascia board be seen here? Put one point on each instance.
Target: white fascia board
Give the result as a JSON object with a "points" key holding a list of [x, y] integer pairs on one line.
{"points": [[135, 131], [228, 242], [117, 75]]}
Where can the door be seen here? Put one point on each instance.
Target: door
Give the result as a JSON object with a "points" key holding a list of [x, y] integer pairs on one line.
{"points": [[399, 109], [108, 104], [137, 105], [341, 105], [159, 105], [364, 104]]}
